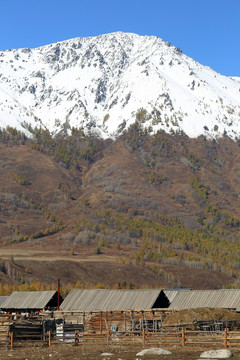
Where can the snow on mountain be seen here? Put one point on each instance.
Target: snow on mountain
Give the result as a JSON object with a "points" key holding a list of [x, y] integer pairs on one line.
{"points": [[236, 78], [103, 84]]}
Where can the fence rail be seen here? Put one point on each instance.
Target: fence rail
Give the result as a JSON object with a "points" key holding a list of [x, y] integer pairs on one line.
{"points": [[180, 338]]}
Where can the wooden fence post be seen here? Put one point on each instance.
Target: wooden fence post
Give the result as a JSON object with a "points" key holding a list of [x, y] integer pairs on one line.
{"points": [[143, 337], [76, 337], [49, 338], [11, 340], [225, 341], [183, 337]]}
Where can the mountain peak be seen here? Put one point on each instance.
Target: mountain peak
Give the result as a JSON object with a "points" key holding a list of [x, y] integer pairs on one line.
{"points": [[103, 84]]}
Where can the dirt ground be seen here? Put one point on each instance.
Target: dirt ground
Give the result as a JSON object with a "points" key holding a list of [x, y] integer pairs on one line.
{"points": [[67, 352]]}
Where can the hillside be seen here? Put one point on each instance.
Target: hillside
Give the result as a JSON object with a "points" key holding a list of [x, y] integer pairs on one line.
{"points": [[143, 210]]}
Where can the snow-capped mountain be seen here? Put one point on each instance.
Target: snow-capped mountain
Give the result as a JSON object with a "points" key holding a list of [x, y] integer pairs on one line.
{"points": [[104, 83]]}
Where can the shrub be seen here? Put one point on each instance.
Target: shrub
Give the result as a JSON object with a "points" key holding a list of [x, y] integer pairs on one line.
{"points": [[98, 250]]}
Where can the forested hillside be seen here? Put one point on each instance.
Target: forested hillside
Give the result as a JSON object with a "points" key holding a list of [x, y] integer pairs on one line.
{"points": [[156, 205]]}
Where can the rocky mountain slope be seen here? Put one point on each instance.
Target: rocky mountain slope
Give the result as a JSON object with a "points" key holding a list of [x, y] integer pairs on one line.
{"points": [[104, 84]]}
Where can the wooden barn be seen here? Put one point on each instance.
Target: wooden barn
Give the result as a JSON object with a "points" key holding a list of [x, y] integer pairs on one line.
{"points": [[125, 310], [189, 299], [30, 301], [112, 300]]}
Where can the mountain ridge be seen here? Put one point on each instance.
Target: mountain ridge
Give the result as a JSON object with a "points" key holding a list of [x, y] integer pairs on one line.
{"points": [[104, 84]]}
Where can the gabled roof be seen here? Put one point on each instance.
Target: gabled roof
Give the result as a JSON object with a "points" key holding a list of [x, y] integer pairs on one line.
{"points": [[28, 299], [223, 298], [2, 300], [99, 299], [170, 294]]}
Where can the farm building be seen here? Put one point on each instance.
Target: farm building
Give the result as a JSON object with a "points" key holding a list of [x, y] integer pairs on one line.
{"points": [[189, 299], [111, 300], [30, 301], [101, 310]]}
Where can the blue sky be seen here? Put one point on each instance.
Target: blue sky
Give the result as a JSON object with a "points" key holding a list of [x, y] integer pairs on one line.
{"points": [[206, 30]]}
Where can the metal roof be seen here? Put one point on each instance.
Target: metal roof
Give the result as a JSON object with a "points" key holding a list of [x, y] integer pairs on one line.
{"points": [[223, 298], [170, 294], [101, 299], [2, 300], [28, 299]]}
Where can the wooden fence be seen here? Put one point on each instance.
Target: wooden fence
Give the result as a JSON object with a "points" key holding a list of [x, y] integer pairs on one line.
{"points": [[143, 338], [5, 321]]}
